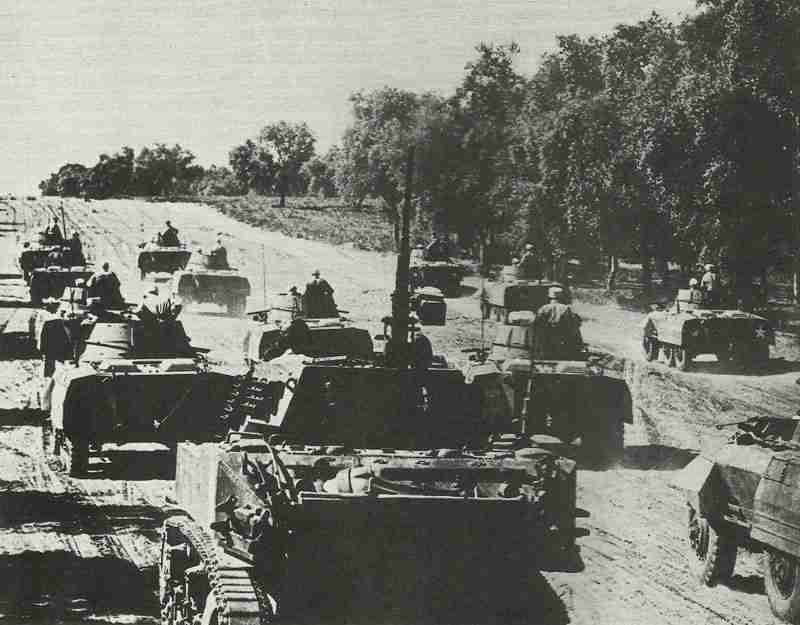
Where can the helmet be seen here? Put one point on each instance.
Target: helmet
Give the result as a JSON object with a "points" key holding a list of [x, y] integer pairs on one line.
{"points": [[315, 273], [555, 292], [693, 282], [710, 267]]}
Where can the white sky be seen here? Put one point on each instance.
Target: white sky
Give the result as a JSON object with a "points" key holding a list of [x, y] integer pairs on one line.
{"points": [[83, 77]]}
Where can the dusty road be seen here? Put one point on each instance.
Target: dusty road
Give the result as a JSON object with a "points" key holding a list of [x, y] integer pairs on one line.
{"points": [[103, 533]]}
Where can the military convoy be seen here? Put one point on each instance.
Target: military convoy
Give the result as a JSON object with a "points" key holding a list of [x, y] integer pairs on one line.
{"points": [[689, 328], [744, 495]]}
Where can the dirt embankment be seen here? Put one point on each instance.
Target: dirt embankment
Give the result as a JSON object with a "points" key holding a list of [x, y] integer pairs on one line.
{"points": [[634, 557]]}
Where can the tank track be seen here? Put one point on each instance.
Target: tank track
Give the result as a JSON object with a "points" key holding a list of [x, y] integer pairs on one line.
{"points": [[240, 597]]}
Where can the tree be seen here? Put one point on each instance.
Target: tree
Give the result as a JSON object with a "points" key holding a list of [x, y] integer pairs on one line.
{"points": [[253, 167], [290, 145], [70, 180], [111, 175], [163, 170], [321, 174], [218, 181]]}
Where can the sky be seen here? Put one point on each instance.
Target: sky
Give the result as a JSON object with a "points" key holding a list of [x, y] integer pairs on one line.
{"points": [[85, 77]]}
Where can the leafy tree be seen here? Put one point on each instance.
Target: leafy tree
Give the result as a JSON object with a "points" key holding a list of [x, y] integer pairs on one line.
{"points": [[70, 180], [164, 170], [321, 174], [290, 145], [111, 175], [218, 181], [253, 166]]}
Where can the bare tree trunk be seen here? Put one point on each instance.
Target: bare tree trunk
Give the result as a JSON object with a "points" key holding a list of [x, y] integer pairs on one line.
{"points": [[613, 267]]}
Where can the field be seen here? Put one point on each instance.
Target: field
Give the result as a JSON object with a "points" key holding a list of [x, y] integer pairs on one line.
{"points": [[98, 539]]}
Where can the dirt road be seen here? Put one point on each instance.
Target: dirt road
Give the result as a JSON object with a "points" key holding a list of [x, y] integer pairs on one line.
{"points": [[635, 567]]}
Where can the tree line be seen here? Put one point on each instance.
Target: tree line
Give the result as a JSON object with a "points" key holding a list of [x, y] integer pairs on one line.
{"points": [[657, 142]]}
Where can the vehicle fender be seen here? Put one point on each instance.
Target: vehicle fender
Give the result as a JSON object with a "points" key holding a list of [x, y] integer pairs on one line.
{"points": [[776, 509], [668, 330], [704, 489]]}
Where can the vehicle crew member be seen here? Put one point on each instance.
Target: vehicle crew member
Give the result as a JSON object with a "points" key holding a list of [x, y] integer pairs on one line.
{"points": [[55, 258], [105, 285], [75, 245], [52, 233], [438, 249], [556, 329], [218, 257], [296, 302], [169, 237], [710, 284], [529, 267], [696, 295], [318, 298]]}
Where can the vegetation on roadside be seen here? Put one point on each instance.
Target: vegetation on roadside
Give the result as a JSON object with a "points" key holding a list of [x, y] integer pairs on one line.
{"points": [[656, 142]]}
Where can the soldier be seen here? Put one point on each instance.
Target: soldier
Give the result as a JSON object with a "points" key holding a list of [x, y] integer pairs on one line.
{"points": [[296, 302], [52, 233], [557, 333], [76, 250], [438, 249], [105, 285], [529, 267], [55, 258], [696, 295], [218, 256], [710, 284], [318, 298], [169, 237]]}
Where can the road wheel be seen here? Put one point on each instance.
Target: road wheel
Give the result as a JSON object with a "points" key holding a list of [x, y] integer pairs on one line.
{"points": [[714, 552], [682, 358], [782, 583], [75, 456], [651, 347]]}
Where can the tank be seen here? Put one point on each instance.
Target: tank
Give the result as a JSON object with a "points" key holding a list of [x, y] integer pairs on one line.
{"points": [[126, 377], [690, 327], [356, 488], [579, 401], [200, 284], [50, 282], [510, 294], [155, 258], [442, 273], [746, 495], [33, 255]]}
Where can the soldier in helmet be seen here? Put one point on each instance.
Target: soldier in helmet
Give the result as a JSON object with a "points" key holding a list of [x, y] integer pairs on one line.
{"points": [[218, 256], [105, 286], [76, 250], [318, 298], [169, 237], [529, 267], [438, 249], [557, 329], [52, 233], [710, 284]]}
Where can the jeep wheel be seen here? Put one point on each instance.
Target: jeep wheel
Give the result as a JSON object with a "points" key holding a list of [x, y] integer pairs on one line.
{"points": [[714, 553], [782, 583], [683, 359], [651, 348]]}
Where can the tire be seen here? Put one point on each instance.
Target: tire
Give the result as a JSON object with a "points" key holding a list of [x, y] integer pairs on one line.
{"points": [[713, 552], [782, 583], [651, 347], [682, 358]]}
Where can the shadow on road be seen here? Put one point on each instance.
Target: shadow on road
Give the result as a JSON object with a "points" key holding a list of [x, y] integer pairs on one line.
{"points": [[134, 464], [752, 584], [657, 457], [21, 416], [775, 366]]}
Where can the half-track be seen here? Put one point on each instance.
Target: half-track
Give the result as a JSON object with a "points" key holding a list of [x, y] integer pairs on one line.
{"points": [[361, 488], [690, 327], [744, 495], [155, 258], [578, 400], [125, 377], [499, 299]]}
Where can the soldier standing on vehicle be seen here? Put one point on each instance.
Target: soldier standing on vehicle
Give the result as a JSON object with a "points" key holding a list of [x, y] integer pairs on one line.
{"points": [[318, 298], [218, 256], [169, 237], [296, 302], [76, 250], [557, 329], [529, 267], [105, 285], [438, 249], [710, 284], [696, 295], [52, 233]]}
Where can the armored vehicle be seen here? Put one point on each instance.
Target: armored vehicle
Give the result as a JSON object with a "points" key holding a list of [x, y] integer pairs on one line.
{"points": [[689, 328], [34, 256], [356, 486], [198, 284], [498, 299], [576, 400], [744, 495], [50, 282], [155, 258], [442, 273], [127, 377]]}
